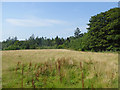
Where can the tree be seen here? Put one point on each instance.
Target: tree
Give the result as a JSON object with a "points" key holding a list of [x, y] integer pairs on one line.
{"points": [[104, 31], [57, 40], [77, 32], [32, 37], [103, 34]]}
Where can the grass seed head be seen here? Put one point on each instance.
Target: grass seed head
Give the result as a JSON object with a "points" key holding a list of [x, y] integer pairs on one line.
{"points": [[81, 65], [59, 66], [22, 71], [22, 83], [82, 80], [35, 66], [32, 82], [30, 65], [22, 68]]}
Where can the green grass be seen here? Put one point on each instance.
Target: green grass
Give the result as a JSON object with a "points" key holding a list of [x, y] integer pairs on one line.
{"points": [[64, 71], [42, 75]]}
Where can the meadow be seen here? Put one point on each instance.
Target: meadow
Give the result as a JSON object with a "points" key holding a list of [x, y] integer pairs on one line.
{"points": [[59, 68]]}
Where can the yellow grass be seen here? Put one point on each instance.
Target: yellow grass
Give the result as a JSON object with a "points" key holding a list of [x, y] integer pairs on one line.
{"points": [[10, 58], [103, 62]]}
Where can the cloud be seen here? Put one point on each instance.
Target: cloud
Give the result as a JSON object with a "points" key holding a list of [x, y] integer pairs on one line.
{"points": [[34, 22]]}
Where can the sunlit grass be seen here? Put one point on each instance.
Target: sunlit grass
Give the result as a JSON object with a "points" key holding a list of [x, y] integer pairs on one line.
{"points": [[59, 69]]}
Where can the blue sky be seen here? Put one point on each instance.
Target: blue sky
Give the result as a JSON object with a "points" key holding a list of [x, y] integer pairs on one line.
{"points": [[48, 19]]}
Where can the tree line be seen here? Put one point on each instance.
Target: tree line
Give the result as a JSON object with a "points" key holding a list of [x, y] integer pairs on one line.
{"points": [[103, 35], [39, 42]]}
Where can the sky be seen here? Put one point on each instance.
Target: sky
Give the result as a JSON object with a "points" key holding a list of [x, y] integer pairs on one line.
{"points": [[48, 19]]}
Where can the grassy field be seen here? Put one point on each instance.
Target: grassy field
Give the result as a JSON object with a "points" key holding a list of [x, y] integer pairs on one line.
{"points": [[59, 68]]}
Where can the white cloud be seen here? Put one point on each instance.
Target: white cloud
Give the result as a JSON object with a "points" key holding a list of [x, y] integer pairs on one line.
{"points": [[34, 22]]}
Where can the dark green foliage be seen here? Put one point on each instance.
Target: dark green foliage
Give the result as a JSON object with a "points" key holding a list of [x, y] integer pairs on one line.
{"points": [[104, 31]]}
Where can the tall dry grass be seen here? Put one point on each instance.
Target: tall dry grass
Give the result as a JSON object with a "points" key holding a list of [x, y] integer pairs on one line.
{"points": [[100, 64]]}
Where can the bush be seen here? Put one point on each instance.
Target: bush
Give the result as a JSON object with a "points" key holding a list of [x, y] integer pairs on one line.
{"points": [[60, 47]]}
